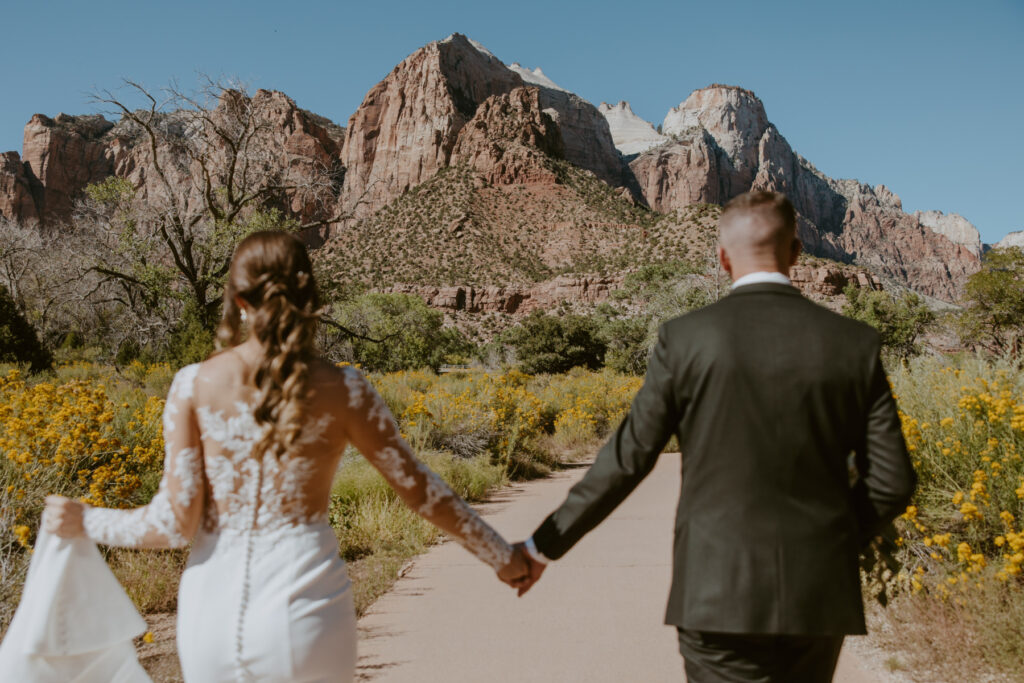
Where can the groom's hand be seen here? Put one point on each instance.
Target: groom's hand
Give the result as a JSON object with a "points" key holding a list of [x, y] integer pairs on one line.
{"points": [[535, 570]]}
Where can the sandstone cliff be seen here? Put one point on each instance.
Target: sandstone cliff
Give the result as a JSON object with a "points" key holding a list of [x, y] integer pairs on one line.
{"points": [[1014, 239], [840, 219], [408, 125], [453, 103], [64, 154], [958, 229], [821, 282], [16, 198]]}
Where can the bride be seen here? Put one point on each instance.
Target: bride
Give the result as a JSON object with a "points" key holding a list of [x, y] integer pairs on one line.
{"points": [[253, 437]]}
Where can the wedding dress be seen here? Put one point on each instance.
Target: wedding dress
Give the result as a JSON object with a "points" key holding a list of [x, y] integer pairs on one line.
{"points": [[265, 595]]}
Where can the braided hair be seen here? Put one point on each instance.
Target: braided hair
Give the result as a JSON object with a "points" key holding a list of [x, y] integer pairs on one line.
{"points": [[271, 271]]}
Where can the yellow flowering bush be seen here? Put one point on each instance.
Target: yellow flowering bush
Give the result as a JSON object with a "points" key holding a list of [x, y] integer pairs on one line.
{"points": [[73, 438], [93, 432], [964, 427], [505, 414], [83, 431]]}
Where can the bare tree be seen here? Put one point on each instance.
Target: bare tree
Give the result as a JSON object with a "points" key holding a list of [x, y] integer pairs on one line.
{"points": [[216, 169], [50, 277]]}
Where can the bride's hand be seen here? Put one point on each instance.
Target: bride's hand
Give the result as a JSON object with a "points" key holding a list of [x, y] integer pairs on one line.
{"points": [[63, 517], [517, 570]]}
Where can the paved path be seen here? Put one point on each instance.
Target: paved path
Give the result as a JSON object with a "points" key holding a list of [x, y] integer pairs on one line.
{"points": [[595, 616]]}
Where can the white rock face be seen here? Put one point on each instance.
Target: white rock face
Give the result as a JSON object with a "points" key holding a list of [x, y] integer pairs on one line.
{"points": [[535, 77], [1014, 239], [735, 118], [630, 133], [954, 227]]}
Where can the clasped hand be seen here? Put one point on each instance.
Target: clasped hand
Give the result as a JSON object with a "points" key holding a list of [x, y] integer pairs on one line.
{"points": [[522, 571]]}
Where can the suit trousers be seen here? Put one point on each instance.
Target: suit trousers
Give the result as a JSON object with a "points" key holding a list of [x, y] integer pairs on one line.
{"points": [[747, 658]]}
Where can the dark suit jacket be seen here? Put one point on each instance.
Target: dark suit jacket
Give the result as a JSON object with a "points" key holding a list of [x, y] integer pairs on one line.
{"points": [[769, 395]]}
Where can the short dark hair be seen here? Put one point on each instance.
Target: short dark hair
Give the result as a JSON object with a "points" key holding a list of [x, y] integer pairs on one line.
{"points": [[774, 204]]}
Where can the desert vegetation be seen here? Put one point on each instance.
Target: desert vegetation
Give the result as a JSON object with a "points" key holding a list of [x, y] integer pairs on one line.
{"points": [[959, 596], [92, 431]]}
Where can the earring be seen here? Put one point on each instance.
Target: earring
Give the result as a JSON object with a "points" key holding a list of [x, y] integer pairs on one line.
{"points": [[243, 316]]}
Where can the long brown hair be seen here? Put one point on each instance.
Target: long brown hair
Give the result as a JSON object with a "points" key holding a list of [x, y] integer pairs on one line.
{"points": [[272, 273]]}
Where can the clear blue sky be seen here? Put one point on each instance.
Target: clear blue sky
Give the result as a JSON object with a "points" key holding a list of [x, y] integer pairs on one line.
{"points": [[925, 97]]}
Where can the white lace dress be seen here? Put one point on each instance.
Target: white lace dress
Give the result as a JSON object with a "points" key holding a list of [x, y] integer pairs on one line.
{"points": [[265, 596]]}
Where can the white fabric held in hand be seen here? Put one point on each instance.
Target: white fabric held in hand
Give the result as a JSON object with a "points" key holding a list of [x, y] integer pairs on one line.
{"points": [[75, 624]]}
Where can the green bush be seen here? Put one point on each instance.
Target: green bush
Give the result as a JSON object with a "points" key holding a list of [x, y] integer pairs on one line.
{"points": [[399, 332], [993, 312], [552, 344], [191, 341], [900, 321], [18, 340], [629, 344]]}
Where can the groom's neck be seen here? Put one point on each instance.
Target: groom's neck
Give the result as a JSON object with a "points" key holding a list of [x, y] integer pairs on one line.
{"points": [[747, 269]]}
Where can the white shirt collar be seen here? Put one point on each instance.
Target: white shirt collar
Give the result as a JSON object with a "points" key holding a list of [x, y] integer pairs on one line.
{"points": [[759, 277]]}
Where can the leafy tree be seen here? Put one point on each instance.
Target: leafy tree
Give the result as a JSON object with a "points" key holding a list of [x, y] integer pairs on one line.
{"points": [[553, 343], [900, 321], [396, 332], [18, 340], [993, 314]]}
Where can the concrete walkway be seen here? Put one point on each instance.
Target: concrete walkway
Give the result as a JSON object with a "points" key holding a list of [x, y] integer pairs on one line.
{"points": [[595, 616]]}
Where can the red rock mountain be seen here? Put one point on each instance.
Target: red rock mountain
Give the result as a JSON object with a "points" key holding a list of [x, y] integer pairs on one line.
{"points": [[454, 104], [408, 125], [722, 144]]}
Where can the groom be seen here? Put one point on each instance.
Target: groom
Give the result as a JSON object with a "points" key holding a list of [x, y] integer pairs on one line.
{"points": [[772, 397]]}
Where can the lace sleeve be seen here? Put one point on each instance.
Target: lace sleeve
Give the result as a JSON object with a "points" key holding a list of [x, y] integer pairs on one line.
{"points": [[373, 431], [172, 517]]}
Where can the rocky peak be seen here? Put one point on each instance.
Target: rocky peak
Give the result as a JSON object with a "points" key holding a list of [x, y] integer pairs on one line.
{"points": [[954, 227], [630, 133], [735, 118], [1013, 239], [408, 124], [509, 139], [683, 171], [535, 77], [723, 145], [63, 155]]}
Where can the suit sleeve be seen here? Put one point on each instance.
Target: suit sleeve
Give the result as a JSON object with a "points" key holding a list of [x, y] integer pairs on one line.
{"points": [[886, 477], [622, 463]]}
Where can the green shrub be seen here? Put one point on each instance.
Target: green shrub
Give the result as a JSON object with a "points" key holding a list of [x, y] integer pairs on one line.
{"points": [[900, 321], [552, 344], [993, 314], [629, 344], [18, 340], [398, 332], [191, 341]]}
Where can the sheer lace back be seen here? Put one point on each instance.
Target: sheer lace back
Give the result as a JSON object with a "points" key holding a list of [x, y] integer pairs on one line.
{"points": [[212, 479], [279, 487]]}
